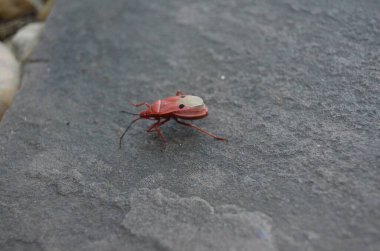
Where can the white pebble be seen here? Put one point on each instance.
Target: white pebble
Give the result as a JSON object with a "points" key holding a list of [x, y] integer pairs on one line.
{"points": [[26, 39], [9, 78]]}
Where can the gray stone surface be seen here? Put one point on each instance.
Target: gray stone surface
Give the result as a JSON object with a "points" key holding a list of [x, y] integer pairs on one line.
{"points": [[294, 86]]}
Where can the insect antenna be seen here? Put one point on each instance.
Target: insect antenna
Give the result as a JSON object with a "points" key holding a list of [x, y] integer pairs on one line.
{"points": [[131, 113], [129, 126]]}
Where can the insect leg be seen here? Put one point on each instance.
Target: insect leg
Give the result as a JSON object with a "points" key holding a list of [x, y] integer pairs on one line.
{"points": [[153, 126], [129, 126], [156, 126], [140, 104], [199, 129], [158, 130]]}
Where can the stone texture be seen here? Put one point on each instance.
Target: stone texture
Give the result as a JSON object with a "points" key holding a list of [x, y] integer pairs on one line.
{"points": [[294, 86], [193, 224]]}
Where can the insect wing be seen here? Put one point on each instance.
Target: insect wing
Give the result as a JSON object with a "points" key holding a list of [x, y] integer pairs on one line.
{"points": [[183, 106], [191, 107], [168, 105]]}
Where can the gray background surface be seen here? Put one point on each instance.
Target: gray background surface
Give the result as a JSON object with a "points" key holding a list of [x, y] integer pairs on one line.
{"points": [[294, 86]]}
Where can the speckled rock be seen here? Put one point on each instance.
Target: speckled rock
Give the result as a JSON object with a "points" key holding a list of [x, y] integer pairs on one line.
{"points": [[12, 9], [294, 86]]}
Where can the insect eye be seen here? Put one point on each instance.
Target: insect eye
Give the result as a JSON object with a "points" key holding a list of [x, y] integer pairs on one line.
{"points": [[183, 96], [181, 106]]}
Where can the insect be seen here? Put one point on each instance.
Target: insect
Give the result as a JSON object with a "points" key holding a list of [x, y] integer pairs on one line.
{"points": [[180, 106]]}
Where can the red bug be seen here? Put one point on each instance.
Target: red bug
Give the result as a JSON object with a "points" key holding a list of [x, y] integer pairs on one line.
{"points": [[180, 106]]}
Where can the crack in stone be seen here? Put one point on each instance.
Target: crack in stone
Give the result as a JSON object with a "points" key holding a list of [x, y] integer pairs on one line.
{"points": [[193, 224]]}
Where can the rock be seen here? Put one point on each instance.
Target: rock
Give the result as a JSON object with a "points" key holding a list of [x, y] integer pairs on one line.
{"points": [[8, 28], [16, 14], [12, 9], [299, 103], [9, 78], [193, 224], [37, 3], [24, 41], [43, 8]]}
